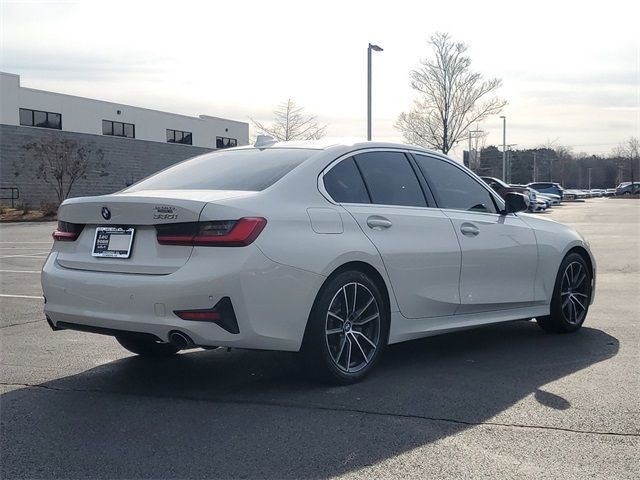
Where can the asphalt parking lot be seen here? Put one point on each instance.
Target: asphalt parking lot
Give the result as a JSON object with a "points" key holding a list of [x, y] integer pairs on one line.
{"points": [[499, 402]]}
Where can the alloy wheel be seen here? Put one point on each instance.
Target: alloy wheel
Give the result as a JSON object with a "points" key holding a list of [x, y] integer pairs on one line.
{"points": [[352, 327], [574, 292]]}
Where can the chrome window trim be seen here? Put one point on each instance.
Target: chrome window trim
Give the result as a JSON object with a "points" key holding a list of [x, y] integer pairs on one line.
{"points": [[325, 170], [345, 156]]}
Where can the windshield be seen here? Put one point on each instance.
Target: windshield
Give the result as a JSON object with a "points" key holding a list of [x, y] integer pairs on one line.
{"points": [[247, 169]]}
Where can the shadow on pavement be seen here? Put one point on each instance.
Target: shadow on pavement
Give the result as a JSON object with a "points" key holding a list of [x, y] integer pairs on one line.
{"points": [[249, 414]]}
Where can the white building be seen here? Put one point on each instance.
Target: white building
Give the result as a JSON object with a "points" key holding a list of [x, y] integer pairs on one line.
{"points": [[29, 107]]}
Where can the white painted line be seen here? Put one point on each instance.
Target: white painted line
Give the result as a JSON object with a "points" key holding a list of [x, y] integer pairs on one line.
{"points": [[21, 296], [20, 271], [48, 243], [26, 256], [19, 248]]}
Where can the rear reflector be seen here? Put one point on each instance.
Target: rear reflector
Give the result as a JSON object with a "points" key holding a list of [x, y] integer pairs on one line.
{"points": [[223, 233], [199, 315], [67, 232], [221, 314]]}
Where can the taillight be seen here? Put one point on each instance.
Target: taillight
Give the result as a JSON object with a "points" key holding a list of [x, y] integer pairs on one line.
{"points": [[222, 233], [67, 232]]}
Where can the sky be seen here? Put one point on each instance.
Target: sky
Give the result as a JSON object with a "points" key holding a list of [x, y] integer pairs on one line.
{"points": [[570, 70]]}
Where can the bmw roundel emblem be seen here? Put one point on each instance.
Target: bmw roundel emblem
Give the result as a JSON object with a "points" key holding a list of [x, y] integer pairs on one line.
{"points": [[106, 213]]}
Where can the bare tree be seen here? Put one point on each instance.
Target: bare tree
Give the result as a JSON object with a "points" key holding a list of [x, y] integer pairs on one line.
{"points": [[61, 162], [290, 123], [630, 150], [451, 100]]}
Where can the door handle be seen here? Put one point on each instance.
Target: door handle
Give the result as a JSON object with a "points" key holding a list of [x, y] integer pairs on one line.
{"points": [[378, 223], [469, 229]]}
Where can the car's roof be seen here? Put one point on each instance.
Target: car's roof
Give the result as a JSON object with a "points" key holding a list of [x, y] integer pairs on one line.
{"points": [[330, 142]]}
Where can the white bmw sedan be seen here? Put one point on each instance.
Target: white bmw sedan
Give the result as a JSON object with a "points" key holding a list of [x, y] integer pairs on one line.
{"points": [[332, 250]]}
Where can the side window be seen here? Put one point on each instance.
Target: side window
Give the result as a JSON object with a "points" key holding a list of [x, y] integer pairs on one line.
{"points": [[390, 179], [455, 189], [344, 183]]}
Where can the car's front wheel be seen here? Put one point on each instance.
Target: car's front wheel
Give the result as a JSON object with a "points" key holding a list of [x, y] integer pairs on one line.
{"points": [[146, 346], [347, 328], [571, 296]]}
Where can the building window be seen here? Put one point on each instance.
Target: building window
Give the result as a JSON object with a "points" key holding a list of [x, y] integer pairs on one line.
{"points": [[177, 136], [118, 129], [38, 118], [224, 142]]}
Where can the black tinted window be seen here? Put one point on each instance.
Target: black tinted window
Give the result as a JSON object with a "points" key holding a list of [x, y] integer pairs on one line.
{"points": [[454, 188], [344, 183], [26, 117], [390, 179], [250, 169], [54, 120], [40, 119]]}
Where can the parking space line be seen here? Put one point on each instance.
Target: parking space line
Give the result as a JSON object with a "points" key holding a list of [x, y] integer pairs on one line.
{"points": [[19, 271], [41, 256], [49, 243], [20, 248], [38, 297]]}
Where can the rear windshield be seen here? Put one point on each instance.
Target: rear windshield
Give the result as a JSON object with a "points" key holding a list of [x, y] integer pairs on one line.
{"points": [[250, 170]]}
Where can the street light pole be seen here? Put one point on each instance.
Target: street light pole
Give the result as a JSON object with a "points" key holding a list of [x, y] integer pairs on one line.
{"points": [[589, 178], [534, 167], [504, 148], [369, 49]]}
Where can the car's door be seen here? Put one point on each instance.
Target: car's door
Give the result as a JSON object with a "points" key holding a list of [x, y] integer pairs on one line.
{"points": [[499, 252], [417, 243]]}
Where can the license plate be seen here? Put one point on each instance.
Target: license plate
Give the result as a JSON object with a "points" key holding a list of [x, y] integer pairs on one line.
{"points": [[113, 242]]}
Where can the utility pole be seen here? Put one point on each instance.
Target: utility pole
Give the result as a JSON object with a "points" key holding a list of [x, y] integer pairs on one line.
{"points": [[590, 177], [508, 162], [472, 163], [534, 167]]}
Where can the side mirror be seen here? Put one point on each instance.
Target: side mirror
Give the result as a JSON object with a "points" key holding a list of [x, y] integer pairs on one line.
{"points": [[515, 202]]}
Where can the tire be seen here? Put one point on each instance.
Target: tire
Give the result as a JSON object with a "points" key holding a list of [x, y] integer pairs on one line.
{"points": [[146, 346], [571, 296], [347, 329]]}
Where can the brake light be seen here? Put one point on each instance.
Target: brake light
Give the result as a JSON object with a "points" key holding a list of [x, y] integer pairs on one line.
{"points": [[67, 232], [223, 233]]}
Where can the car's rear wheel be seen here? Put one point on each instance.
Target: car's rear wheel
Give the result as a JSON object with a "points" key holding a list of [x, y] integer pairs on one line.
{"points": [[347, 328], [146, 346], [571, 296]]}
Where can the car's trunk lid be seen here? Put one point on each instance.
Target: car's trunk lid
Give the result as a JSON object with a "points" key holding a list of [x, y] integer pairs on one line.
{"points": [[141, 211]]}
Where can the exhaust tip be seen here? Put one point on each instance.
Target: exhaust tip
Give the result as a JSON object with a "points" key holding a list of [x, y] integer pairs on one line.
{"points": [[181, 340]]}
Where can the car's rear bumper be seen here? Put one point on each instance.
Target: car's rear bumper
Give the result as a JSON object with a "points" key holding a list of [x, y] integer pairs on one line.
{"points": [[271, 301]]}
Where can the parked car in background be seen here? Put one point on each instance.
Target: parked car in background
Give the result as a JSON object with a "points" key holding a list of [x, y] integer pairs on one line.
{"points": [[539, 203], [626, 188], [502, 188], [573, 194], [597, 192], [610, 192], [550, 197], [548, 187]]}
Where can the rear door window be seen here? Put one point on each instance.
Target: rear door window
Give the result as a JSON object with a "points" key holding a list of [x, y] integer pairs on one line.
{"points": [[390, 179]]}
